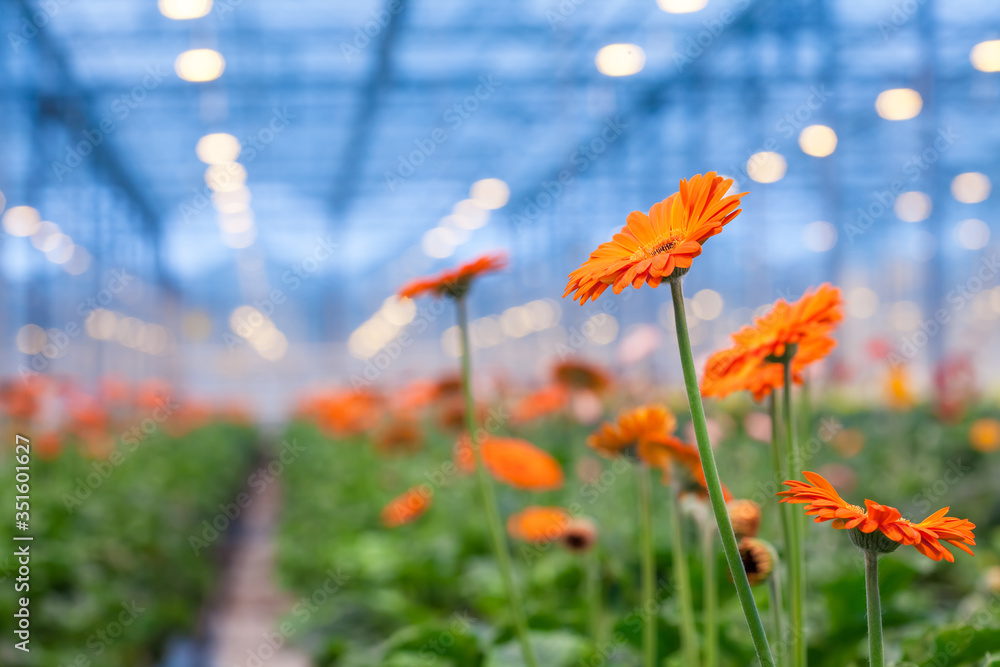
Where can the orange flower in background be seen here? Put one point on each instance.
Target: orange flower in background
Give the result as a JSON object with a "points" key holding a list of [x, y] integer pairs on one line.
{"points": [[984, 434], [648, 432], [899, 388], [401, 435], [823, 502], [87, 415], [408, 507], [581, 375], [348, 412], [20, 400], [153, 393], [512, 461], [637, 428], [454, 282], [49, 445], [542, 403], [415, 396], [114, 389], [651, 248], [538, 524], [751, 363]]}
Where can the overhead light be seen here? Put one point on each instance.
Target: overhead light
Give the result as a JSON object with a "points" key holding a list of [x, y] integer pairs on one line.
{"points": [[236, 223], [226, 177], [490, 193], [818, 140], [913, 206], [181, 10], [972, 234], [470, 214], [970, 187], [985, 56], [79, 262], [45, 230], [31, 339], [899, 104], [21, 221], [766, 167], [681, 6], [620, 59], [200, 65], [59, 248], [218, 148]]}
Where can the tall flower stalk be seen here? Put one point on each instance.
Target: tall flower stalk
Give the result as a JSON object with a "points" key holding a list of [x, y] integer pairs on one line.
{"points": [[875, 657], [714, 485], [497, 535], [796, 559], [647, 556], [455, 284], [710, 593], [662, 246], [689, 634], [644, 436]]}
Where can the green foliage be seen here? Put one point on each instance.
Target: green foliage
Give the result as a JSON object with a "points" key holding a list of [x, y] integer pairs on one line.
{"points": [[113, 570]]}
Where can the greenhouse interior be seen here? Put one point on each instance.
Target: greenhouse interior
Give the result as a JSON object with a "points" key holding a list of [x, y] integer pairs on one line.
{"points": [[541, 333]]}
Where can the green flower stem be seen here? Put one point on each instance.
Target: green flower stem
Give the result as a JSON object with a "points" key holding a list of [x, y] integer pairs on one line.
{"points": [[728, 537], [647, 603], [875, 657], [796, 564], [711, 595], [682, 580], [594, 597], [779, 461], [780, 473], [499, 538], [777, 606]]}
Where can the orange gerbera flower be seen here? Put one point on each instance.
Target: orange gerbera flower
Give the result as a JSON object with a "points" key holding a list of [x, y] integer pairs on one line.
{"points": [[751, 364], [739, 369], [407, 507], [538, 524], [652, 248], [512, 461], [823, 502], [648, 432], [454, 282], [541, 403], [348, 412], [580, 375]]}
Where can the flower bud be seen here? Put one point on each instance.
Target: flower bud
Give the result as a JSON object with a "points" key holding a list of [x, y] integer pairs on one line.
{"points": [[745, 517], [758, 561]]}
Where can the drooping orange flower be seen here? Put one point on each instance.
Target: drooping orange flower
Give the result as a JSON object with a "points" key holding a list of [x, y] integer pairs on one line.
{"points": [[823, 502], [647, 431], [408, 507], [752, 363], [454, 282], [541, 403], [651, 248], [638, 428], [538, 524], [581, 375], [512, 461]]}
